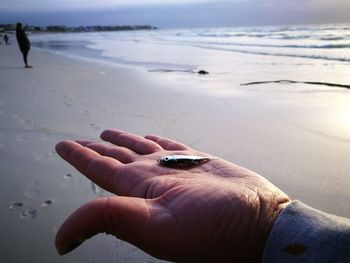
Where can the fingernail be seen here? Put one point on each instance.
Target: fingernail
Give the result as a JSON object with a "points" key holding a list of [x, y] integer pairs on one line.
{"points": [[59, 147], [73, 245], [63, 148]]}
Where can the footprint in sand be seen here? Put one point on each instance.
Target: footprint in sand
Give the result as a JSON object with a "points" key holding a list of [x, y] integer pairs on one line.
{"points": [[68, 179], [16, 205], [47, 203], [29, 213], [68, 176]]}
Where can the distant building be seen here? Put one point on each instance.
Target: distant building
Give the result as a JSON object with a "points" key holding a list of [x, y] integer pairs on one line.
{"points": [[61, 28]]}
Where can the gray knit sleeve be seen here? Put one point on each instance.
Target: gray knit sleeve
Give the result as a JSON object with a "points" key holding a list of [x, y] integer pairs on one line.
{"points": [[303, 234]]}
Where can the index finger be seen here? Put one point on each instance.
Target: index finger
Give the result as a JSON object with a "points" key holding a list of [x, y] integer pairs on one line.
{"points": [[99, 169]]}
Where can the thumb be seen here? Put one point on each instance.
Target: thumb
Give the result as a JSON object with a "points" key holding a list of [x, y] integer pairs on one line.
{"points": [[127, 218]]}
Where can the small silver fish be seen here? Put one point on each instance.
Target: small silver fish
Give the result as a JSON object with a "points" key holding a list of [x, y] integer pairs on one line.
{"points": [[183, 160]]}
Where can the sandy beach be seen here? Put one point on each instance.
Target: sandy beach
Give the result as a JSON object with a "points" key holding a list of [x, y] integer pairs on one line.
{"points": [[298, 139]]}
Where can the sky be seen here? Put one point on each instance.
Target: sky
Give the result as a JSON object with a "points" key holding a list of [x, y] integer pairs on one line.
{"points": [[174, 13]]}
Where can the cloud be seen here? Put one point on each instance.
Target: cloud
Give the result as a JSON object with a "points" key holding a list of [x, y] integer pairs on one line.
{"points": [[41, 5], [176, 13]]}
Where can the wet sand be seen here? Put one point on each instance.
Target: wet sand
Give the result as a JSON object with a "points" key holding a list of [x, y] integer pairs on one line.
{"points": [[296, 136]]}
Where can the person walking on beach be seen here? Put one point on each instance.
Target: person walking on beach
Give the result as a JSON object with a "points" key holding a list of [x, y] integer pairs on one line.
{"points": [[6, 39], [23, 43]]}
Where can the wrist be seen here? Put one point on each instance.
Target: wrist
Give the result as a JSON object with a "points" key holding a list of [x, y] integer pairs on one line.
{"points": [[268, 216]]}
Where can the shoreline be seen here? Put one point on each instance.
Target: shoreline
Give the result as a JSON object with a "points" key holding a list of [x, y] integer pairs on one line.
{"points": [[86, 53], [266, 129], [202, 97]]}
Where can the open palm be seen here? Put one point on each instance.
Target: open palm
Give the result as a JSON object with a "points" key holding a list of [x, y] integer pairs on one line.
{"points": [[216, 211]]}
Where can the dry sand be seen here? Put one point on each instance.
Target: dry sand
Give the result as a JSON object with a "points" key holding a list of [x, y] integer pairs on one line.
{"points": [[298, 140]]}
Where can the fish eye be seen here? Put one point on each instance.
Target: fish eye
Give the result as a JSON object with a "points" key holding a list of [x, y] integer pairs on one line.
{"points": [[166, 159]]}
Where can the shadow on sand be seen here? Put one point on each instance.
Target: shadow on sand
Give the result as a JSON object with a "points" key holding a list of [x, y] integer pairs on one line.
{"points": [[14, 67]]}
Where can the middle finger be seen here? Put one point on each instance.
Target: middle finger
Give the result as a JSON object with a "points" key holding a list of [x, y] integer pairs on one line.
{"points": [[131, 141]]}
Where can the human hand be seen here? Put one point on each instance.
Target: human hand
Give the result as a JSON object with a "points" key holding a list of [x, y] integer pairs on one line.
{"points": [[212, 212]]}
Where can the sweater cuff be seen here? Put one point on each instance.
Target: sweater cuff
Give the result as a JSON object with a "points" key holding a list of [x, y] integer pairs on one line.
{"points": [[303, 234]]}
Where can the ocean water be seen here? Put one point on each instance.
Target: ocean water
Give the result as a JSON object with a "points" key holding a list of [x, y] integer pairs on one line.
{"points": [[192, 48], [234, 56]]}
